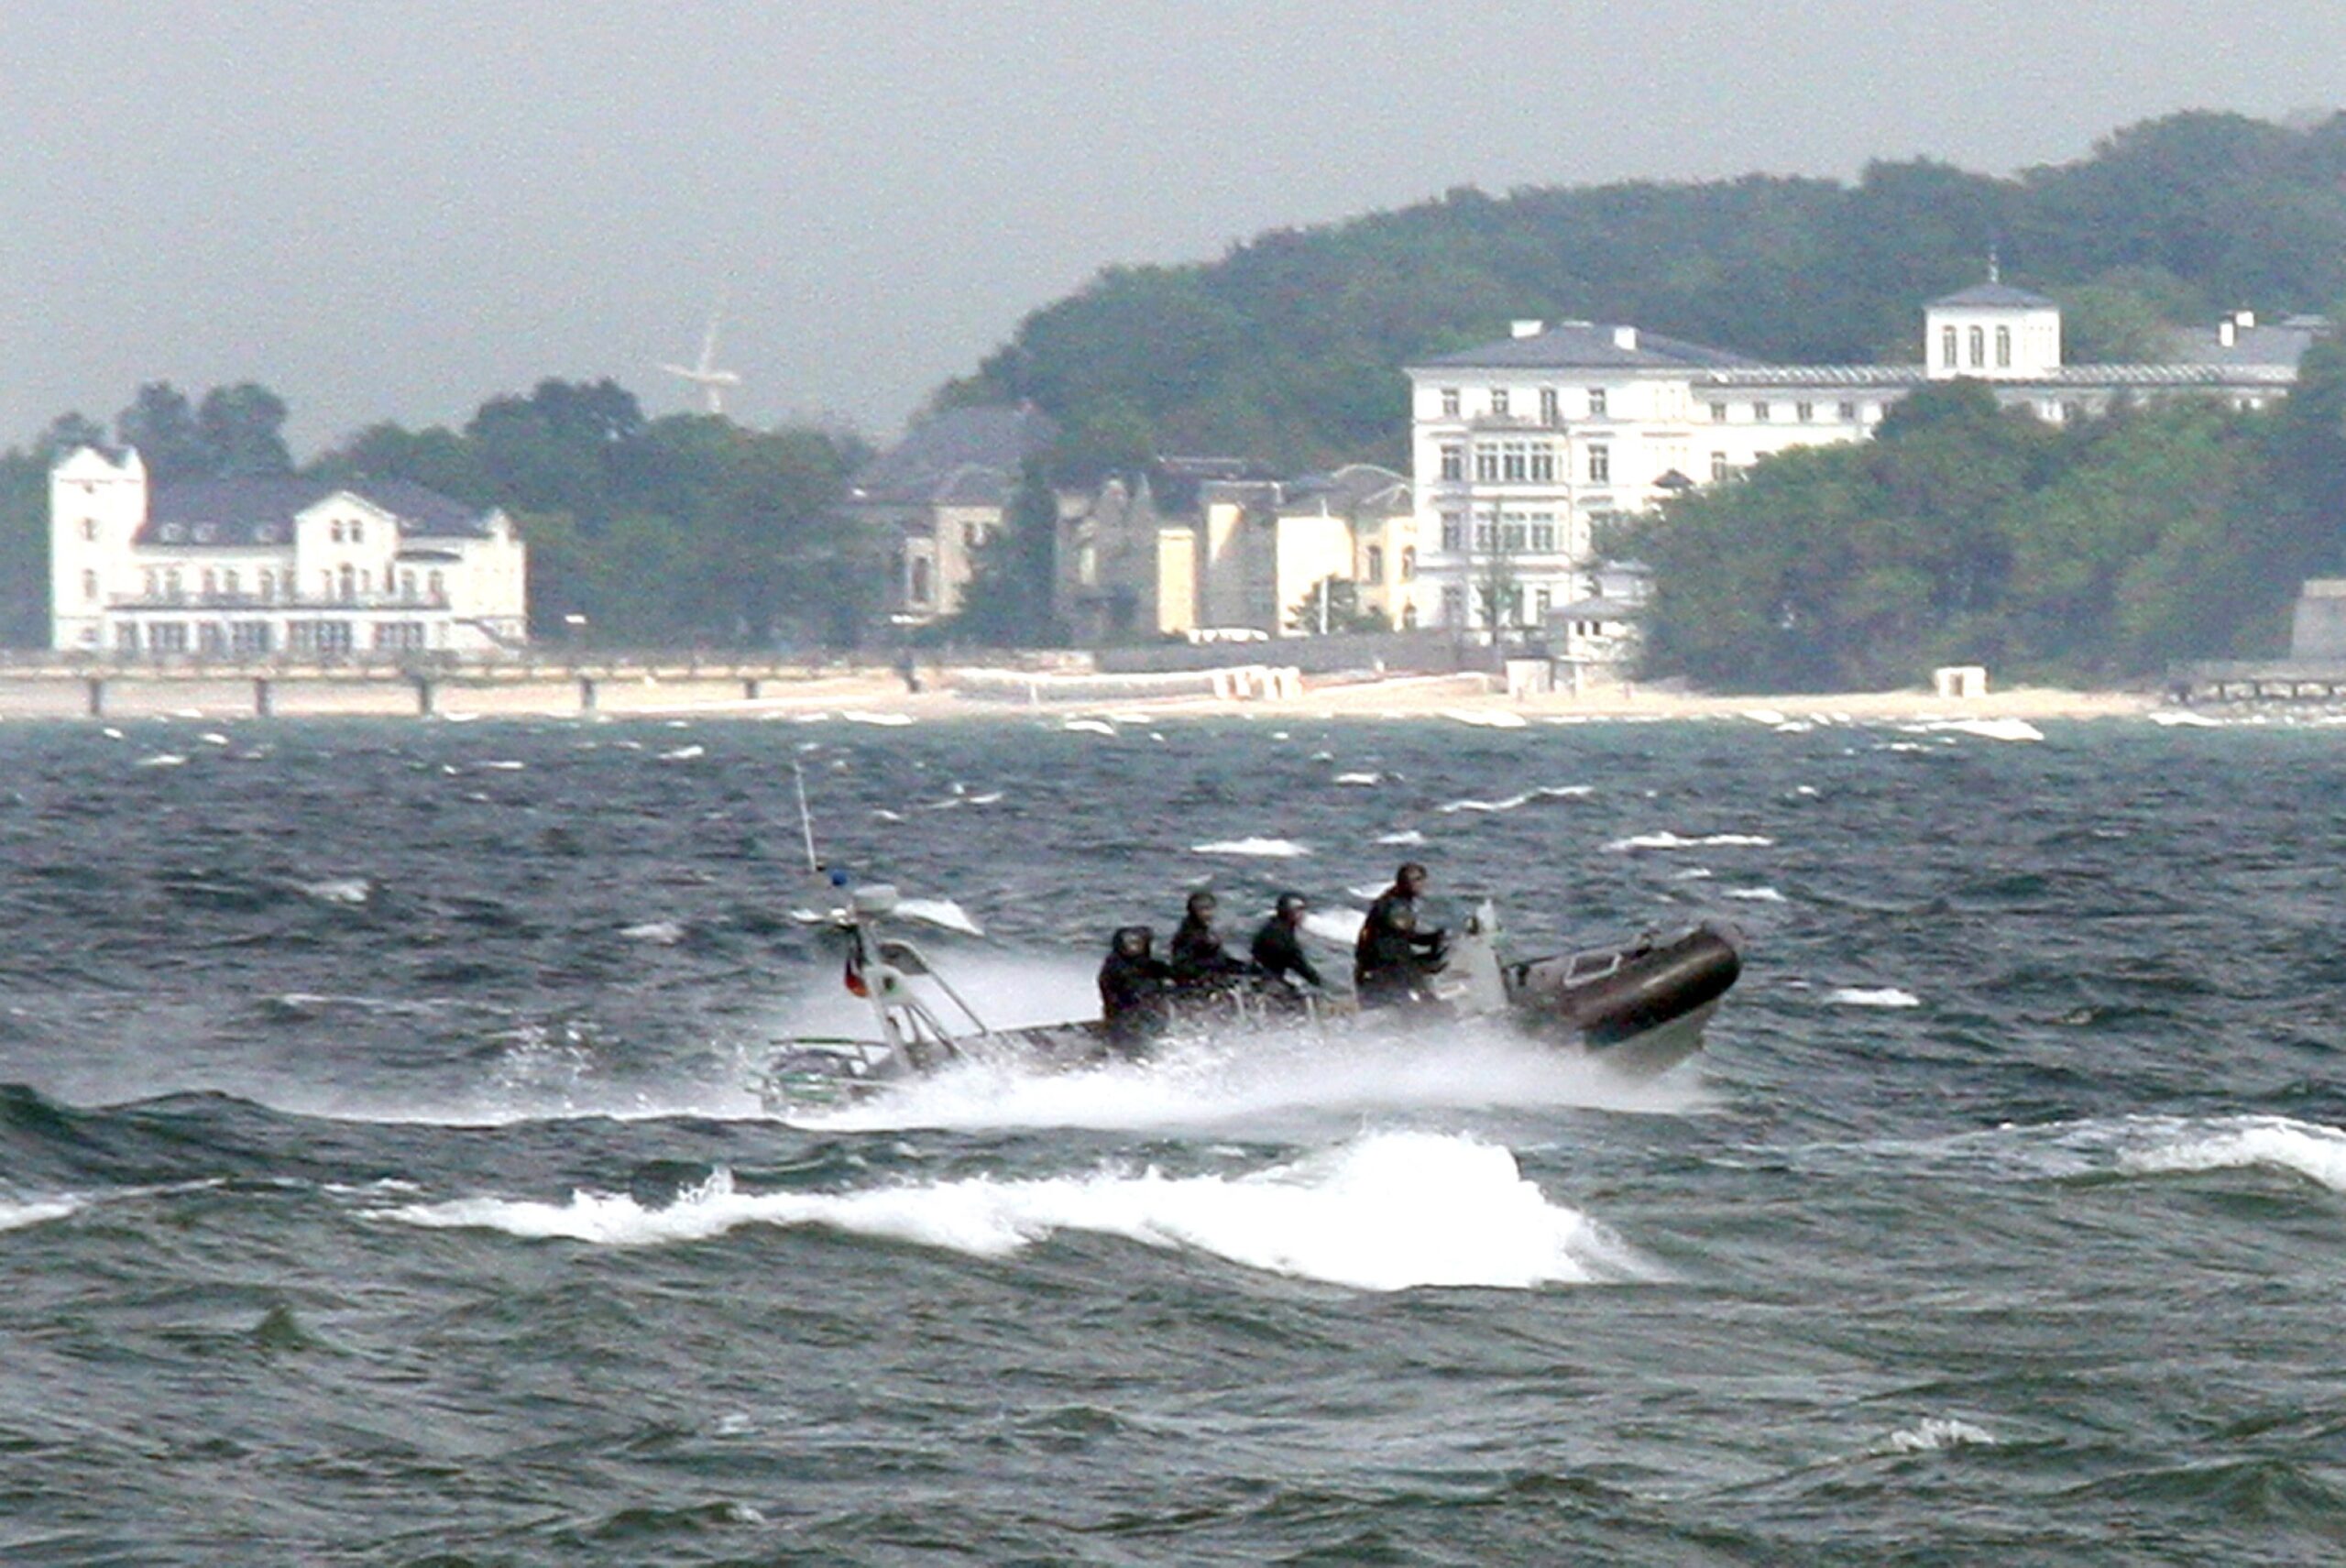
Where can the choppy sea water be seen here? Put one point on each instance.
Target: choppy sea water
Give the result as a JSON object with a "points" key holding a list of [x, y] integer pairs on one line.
{"points": [[378, 1183]]}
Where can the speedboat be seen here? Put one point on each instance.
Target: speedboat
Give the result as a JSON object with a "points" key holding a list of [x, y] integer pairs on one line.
{"points": [[1640, 1008]]}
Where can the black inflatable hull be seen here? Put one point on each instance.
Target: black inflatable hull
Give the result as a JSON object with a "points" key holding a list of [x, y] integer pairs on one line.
{"points": [[1609, 999]]}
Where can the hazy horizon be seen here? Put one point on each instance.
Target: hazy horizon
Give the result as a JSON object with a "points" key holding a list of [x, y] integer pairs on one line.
{"points": [[397, 215]]}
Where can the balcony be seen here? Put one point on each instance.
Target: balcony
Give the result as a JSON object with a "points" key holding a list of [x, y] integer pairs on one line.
{"points": [[242, 603]]}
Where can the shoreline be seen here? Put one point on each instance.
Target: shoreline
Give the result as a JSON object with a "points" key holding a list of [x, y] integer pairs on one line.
{"points": [[881, 697]]}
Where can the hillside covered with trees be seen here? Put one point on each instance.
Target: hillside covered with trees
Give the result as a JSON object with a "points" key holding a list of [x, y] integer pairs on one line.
{"points": [[1290, 347], [2089, 553], [2092, 552]]}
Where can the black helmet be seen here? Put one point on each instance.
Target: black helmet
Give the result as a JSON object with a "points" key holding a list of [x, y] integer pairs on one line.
{"points": [[1292, 905], [1133, 941], [1201, 900]]}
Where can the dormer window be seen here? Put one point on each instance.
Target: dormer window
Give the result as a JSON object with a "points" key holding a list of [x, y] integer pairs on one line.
{"points": [[1498, 401], [1450, 402]]}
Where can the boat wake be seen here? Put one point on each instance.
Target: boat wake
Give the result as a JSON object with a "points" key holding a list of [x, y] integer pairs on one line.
{"points": [[1387, 1212], [1266, 1080]]}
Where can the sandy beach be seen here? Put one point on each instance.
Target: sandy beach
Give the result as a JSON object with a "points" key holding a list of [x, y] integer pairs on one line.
{"points": [[882, 695]]}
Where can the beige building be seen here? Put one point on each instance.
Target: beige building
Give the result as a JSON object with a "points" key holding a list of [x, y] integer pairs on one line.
{"points": [[1201, 546], [937, 495]]}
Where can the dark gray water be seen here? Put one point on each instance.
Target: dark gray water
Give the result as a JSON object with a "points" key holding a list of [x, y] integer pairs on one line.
{"points": [[378, 1183]]}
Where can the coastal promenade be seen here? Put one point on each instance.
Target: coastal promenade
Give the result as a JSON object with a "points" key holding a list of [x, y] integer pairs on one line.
{"points": [[722, 686]]}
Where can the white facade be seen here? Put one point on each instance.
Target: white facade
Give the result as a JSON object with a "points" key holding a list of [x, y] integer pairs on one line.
{"points": [[1524, 449], [261, 569]]}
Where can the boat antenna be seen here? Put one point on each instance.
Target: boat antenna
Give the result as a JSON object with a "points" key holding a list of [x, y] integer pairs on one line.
{"points": [[805, 820]]}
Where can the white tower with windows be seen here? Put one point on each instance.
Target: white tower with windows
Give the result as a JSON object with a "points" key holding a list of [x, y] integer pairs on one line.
{"points": [[96, 506], [1991, 333]]}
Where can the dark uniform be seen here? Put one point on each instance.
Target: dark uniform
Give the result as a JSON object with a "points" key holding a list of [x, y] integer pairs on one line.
{"points": [[1278, 954], [1199, 961], [1393, 960], [1134, 984]]}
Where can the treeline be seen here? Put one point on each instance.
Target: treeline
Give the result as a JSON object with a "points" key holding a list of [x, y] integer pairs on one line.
{"points": [[1970, 533], [689, 529], [1290, 347]]}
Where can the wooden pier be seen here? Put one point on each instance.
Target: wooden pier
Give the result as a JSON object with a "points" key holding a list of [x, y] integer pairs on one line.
{"points": [[65, 682]]}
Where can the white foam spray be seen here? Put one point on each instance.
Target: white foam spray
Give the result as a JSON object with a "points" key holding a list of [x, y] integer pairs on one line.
{"points": [[1385, 1211]]}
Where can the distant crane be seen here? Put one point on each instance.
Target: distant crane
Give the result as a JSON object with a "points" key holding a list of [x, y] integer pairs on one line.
{"points": [[704, 375]]}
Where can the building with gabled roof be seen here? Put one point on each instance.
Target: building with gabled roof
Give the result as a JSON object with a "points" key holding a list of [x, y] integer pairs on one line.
{"points": [[938, 494], [258, 568]]}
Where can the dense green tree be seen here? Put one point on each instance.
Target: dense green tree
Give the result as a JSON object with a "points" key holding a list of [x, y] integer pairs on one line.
{"points": [[1332, 604], [1007, 601], [242, 430], [160, 422]]}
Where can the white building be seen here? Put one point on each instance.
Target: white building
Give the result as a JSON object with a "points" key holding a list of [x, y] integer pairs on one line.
{"points": [[1525, 448], [257, 567]]}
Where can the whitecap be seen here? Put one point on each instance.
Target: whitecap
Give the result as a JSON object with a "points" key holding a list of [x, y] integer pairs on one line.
{"points": [[1366, 780], [2307, 1149], [161, 759], [684, 753], [1767, 715], [339, 890], [213, 738], [1754, 895], [664, 933], [1267, 848], [1389, 1212], [1089, 727], [1405, 836], [1509, 803], [1938, 1431], [503, 765], [885, 720], [1879, 996], [110, 733], [15, 1215], [1988, 728], [2184, 717], [1674, 841], [1489, 720]]}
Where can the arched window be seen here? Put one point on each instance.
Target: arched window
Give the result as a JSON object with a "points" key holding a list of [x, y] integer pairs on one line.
{"points": [[1408, 562], [1979, 349], [228, 582], [350, 582], [333, 530], [1374, 569], [356, 533], [1946, 347], [2003, 348], [439, 587]]}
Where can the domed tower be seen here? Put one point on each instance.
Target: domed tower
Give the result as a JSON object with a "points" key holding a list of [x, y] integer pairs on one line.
{"points": [[96, 506]]}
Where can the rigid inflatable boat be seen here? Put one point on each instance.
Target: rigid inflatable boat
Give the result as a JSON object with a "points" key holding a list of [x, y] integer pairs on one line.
{"points": [[1640, 1008]]}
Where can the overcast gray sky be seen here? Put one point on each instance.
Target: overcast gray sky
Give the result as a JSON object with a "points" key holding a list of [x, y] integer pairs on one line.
{"points": [[397, 208]]}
